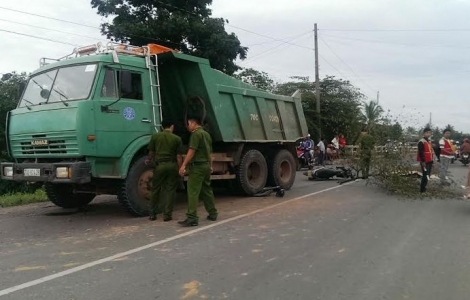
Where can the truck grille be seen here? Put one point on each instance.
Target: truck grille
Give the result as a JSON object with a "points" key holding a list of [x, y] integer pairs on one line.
{"points": [[44, 145]]}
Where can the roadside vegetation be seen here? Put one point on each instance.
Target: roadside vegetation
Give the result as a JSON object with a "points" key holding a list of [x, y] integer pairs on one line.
{"points": [[20, 198], [400, 174]]}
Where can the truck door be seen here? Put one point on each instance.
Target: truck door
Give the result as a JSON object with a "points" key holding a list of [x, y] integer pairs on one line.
{"points": [[122, 109]]}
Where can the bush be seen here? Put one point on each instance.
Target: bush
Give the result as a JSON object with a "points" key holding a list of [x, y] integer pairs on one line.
{"points": [[23, 198], [400, 174]]}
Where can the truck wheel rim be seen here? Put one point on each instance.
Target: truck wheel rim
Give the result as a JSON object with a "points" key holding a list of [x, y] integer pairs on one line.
{"points": [[285, 171], [145, 185], [254, 174]]}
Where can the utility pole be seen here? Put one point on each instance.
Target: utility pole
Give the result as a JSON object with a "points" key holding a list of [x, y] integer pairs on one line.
{"points": [[378, 95], [317, 80]]}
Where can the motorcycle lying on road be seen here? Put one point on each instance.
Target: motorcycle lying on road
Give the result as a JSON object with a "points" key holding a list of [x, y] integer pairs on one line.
{"points": [[323, 173]]}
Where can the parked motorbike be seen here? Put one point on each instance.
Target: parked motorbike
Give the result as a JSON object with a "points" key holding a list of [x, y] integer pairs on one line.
{"points": [[464, 158], [304, 163], [456, 156]]}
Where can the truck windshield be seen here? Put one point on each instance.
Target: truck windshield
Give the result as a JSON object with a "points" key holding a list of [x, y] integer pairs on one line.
{"points": [[63, 84]]}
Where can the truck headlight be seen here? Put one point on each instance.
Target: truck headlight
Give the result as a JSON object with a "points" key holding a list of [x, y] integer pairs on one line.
{"points": [[63, 172], [8, 171]]}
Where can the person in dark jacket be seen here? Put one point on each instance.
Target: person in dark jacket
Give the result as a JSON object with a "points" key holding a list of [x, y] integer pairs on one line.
{"points": [[425, 157]]}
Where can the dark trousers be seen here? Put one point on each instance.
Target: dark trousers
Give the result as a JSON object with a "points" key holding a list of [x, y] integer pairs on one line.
{"points": [[199, 188], [426, 173], [164, 184], [321, 157]]}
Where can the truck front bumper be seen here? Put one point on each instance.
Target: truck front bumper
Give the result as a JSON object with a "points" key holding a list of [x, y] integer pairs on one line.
{"points": [[66, 172]]}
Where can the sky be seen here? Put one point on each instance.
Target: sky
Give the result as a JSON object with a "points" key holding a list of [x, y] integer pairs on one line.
{"points": [[413, 52]]}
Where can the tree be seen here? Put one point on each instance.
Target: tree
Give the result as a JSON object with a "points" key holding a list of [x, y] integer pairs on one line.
{"points": [[256, 78], [184, 25], [372, 113], [387, 131], [9, 88], [340, 106]]}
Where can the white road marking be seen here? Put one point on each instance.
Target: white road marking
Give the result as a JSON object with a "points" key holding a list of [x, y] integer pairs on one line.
{"points": [[145, 247]]}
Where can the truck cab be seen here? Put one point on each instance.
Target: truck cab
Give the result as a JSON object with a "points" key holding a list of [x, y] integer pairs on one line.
{"points": [[75, 120]]}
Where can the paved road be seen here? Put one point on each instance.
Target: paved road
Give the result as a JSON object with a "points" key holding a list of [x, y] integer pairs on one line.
{"points": [[319, 242]]}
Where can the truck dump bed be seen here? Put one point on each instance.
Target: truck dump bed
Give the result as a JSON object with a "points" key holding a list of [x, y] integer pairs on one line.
{"points": [[234, 111]]}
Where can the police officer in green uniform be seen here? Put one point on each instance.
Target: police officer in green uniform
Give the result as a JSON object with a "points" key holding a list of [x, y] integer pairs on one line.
{"points": [[199, 161], [366, 143], [165, 149]]}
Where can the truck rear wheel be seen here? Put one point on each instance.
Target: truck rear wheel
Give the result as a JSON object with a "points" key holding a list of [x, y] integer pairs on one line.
{"points": [[282, 171], [252, 173], [134, 194], [62, 195]]}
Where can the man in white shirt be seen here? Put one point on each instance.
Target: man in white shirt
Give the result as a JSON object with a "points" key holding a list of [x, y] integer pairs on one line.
{"points": [[321, 148], [335, 142]]}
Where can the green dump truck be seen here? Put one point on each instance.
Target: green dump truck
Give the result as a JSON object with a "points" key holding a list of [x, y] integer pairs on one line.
{"points": [[83, 123]]}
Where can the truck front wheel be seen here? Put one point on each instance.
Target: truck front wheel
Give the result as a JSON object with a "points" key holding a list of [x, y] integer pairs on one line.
{"points": [[282, 171], [63, 196], [252, 173], [134, 194]]}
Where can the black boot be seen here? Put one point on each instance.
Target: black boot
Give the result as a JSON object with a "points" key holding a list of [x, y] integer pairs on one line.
{"points": [[188, 223]]}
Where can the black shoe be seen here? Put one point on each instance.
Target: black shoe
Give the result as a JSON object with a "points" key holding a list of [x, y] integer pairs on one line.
{"points": [[167, 219], [152, 218], [188, 223], [212, 218]]}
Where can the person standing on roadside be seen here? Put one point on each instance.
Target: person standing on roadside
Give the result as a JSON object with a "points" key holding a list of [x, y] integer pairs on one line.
{"points": [[467, 188], [165, 150], [446, 155], [366, 145], [322, 150], [425, 157], [199, 181]]}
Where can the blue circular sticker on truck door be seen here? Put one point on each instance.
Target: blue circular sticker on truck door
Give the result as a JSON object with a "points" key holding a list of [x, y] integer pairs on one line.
{"points": [[128, 113]]}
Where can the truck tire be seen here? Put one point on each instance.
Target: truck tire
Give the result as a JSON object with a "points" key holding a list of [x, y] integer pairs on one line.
{"points": [[252, 173], [134, 194], [282, 170], [62, 195]]}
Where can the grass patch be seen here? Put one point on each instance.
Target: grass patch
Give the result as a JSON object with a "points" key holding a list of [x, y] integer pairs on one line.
{"points": [[15, 199]]}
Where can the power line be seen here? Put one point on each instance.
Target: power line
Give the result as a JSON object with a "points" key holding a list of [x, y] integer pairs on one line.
{"points": [[50, 29], [392, 43], [341, 73], [347, 65], [85, 25], [401, 30], [271, 41], [273, 49], [239, 28], [37, 37], [50, 18], [146, 37], [266, 36]]}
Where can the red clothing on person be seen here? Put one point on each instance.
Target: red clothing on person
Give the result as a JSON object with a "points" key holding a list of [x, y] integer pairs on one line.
{"points": [[425, 152], [342, 142]]}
